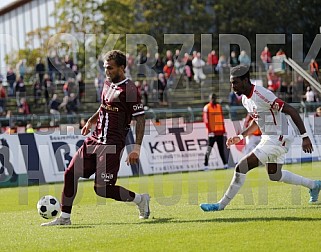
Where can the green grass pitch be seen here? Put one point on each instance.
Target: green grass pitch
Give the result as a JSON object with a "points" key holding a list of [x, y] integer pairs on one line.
{"points": [[265, 216]]}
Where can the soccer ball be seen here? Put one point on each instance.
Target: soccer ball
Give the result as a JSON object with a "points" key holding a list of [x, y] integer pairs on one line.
{"points": [[48, 207]]}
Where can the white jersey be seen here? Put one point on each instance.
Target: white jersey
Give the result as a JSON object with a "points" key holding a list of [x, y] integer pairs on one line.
{"points": [[266, 109]]}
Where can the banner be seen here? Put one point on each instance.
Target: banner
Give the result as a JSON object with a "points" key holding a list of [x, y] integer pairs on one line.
{"points": [[169, 146], [174, 146]]}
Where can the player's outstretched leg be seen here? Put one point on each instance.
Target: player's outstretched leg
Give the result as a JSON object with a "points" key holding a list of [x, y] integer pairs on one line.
{"points": [[314, 192], [294, 179], [236, 183], [143, 206]]}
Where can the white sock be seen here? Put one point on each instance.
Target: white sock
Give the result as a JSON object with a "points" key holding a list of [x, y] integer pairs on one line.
{"points": [[138, 198], [236, 183], [294, 179], [65, 215]]}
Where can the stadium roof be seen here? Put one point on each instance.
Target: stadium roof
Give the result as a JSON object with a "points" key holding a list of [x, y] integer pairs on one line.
{"points": [[10, 5]]}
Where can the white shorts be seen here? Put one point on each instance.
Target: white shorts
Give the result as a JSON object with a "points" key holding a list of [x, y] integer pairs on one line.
{"points": [[271, 151], [251, 142]]}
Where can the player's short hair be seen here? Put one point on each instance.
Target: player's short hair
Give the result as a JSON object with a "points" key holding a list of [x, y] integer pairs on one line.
{"points": [[240, 71], [118, 56]]}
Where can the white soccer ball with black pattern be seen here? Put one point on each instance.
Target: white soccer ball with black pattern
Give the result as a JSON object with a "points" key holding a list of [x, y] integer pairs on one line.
{"points": [[48, 207]]}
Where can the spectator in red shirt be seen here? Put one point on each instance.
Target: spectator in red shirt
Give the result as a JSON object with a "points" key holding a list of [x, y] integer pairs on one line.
{"points": [[266, 57], [212, 59]]}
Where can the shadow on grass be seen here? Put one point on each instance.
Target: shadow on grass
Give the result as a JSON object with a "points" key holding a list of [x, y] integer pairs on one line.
{"points": [[77, 226], [212, 220], [231, 220]]}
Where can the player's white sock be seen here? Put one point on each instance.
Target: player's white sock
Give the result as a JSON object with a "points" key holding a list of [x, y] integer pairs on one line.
{"points": [[294, 179], [65, 215], [138, 198], [236, 183]]}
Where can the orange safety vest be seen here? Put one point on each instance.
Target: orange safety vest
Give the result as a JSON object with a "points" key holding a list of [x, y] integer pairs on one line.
{"points": [[213, 118]]}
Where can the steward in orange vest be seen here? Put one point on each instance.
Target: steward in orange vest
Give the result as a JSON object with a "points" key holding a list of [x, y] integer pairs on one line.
{"points": [[214, 122]]}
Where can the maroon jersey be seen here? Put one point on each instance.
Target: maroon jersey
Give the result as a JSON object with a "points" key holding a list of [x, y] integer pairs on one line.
{"points": [[119, 103]]}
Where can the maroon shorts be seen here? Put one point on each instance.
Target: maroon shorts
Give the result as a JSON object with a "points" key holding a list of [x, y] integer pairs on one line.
{"points": [[99, 159]]}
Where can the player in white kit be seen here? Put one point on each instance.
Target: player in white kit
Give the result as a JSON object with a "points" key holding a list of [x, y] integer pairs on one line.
{"points": [[268, 113]]}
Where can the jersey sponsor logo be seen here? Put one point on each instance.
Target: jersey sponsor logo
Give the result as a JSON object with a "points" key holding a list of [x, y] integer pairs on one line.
{"points": [[109, 107], [138, 107], [261, 96]]}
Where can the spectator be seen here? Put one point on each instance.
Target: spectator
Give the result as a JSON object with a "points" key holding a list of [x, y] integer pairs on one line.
{"points": [[141, 61], [159, 65], [3, 98], [11, 79], [279, 57], [169, 73], [314, 69], [20, 90], [72, 105], [54, 106], [40, 70], [48, 87], [214, 122], [212, 60], [169, 56], [244, 59], [274, 81], [162, 84], [318, 112], [280, 52], [188, 68], [198, 65], [24, 107], [29, 128], [68, 68], [66, 88], [22, 68], [233, 61], [266, 58], [309, 95], [36, 91], [222, 64]]}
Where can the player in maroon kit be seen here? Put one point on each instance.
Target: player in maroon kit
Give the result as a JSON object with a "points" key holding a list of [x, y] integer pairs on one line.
{"points": [[101, 152]]}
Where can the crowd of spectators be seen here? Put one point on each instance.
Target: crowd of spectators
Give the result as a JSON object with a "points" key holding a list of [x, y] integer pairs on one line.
{"points": [[59, 87]]}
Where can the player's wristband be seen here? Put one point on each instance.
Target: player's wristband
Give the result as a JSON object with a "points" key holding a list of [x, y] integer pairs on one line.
{"points": [[241, 137], [304, 135]]}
